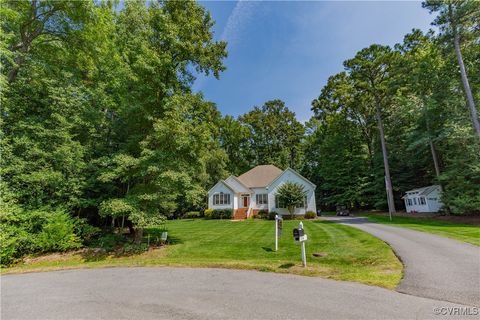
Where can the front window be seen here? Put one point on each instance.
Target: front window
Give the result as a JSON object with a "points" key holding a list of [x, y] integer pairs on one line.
{"points": [[279, 203], [262, 198], [221, 198], [422, 200]]}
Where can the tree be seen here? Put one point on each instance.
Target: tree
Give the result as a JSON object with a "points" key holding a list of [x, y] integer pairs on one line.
{"points": [[234, 138], [371, 70], [457, 18], [40, 22], [275, 135], [291, 195]]}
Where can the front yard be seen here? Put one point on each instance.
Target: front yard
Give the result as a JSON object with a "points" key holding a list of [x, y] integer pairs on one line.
{"points": [[345, 253]]}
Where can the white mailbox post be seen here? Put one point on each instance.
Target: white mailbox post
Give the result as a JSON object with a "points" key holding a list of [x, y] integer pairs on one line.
{"points": [[300, 236]]}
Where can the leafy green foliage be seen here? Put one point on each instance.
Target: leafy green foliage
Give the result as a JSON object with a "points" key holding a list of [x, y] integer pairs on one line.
{"points": [[35, 231], [275, 135], [219, 214], [310, 215], [292, 195]]}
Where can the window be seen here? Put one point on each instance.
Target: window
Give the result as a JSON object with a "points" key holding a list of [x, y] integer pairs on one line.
{"points": [[262, 198], [409, 202], [415, 201], [281, 205], [221, 198], [278, 203], [422, 200], [305, 202]]}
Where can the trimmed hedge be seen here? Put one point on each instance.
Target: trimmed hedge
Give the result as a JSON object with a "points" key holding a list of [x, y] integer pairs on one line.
{"points": [[192, 215], [310, 215], [219, 214]]}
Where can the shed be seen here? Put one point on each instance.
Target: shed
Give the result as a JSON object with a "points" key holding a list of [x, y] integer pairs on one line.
{"points": [[426, 199]]}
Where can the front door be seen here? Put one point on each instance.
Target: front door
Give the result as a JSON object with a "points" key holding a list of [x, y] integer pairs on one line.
{"points": [[246, 201]]}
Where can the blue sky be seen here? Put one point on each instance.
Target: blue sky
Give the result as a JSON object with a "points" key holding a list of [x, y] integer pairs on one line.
{"points": [[287, 50]]}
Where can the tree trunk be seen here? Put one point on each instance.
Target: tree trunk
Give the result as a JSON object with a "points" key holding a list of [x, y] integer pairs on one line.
{"points": [[466, 84], [388, 181], [435, 158], [138, 235]]}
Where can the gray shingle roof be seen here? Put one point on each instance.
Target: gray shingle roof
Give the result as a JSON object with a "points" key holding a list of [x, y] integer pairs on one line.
{"points": [[425, 191]]}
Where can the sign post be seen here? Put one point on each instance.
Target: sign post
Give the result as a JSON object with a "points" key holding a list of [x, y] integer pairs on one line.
{"points": [[278, 230], [299, 235]]}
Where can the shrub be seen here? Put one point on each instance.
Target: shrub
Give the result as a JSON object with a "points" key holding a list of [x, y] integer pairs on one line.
{"points": [[262, 214], [57, 234], [85, 231], [132, 248], [208, 213], [219, 214], [32, 231], [192, 215], [271, 215], [109, 241], [310, 215]]}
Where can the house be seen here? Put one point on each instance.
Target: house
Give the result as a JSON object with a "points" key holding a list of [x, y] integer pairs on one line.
{"points": [[426, 199], [256, 190]]}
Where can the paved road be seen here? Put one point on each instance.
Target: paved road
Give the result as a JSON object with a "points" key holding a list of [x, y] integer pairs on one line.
{"points": [[184, 293], [435, 267]]}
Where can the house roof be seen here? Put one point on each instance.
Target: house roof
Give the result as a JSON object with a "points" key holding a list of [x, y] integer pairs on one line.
{"points": [[221, 182], [260, 176], [298, 174], [425, 191]]}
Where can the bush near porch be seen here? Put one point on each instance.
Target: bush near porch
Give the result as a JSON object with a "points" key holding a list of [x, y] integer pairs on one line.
{"points": [[219, 214]]}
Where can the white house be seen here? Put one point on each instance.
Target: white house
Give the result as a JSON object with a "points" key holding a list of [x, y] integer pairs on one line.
{"points": [[256, 190], [426, 199]]}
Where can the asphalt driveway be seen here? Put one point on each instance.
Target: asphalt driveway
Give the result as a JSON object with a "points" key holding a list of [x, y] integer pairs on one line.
{"points": [[435, 267], [184, 293]]}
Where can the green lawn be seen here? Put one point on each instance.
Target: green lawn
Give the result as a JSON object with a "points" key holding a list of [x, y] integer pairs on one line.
{"points": [[349, 254], [462, 232]]}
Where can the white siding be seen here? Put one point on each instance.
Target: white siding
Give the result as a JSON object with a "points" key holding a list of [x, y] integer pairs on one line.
{"points": [[291, 176], [430, 205], [237, 186], [253, 199], [434, 202], [221, 187]]}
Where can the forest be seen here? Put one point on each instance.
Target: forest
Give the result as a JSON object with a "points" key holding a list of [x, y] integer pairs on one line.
{"points": [[100, 125]]}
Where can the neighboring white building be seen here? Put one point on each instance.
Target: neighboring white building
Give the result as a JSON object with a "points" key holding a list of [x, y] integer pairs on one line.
{"points": [[425, 199], [256, 189]]}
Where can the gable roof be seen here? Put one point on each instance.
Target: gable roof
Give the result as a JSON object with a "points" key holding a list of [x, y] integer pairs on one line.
{"points": [[221, 182], [240, 187], [296, 173], [425, 191], [260, 176]]}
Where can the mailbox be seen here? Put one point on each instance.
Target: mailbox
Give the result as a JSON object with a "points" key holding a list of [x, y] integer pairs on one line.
{"points": [[298, 234]]}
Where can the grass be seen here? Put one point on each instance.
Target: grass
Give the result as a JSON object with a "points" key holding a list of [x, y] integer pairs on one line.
{"points": [[463, 232], [348, 253]]}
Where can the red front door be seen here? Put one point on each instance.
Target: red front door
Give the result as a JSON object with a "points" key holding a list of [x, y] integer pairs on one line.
{"points": [[246, 201]]}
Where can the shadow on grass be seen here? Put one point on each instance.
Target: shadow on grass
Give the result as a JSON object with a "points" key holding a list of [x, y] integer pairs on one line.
{"points": [[286, 265], [267, 249]]}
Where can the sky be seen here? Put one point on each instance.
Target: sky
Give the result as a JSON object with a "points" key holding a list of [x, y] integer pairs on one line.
{"points": [[287, 50]]}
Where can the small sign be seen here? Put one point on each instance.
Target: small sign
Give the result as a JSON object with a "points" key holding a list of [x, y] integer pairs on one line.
{"points": [[303, 238], [279, 227]]}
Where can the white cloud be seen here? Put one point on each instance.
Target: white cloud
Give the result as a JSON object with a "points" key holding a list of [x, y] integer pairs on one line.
{"points": [[240, 16]]}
